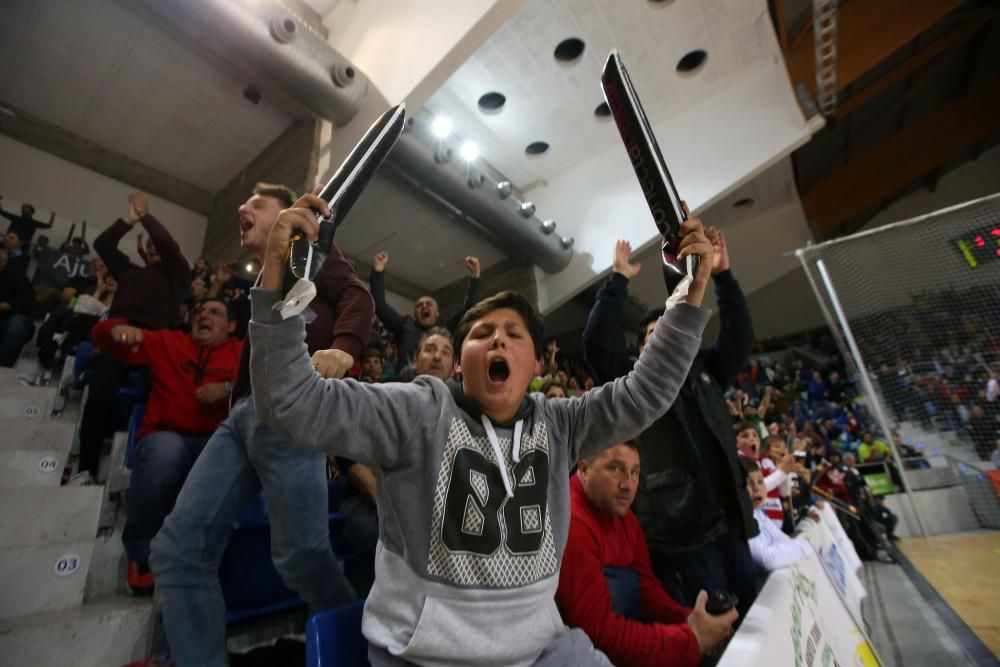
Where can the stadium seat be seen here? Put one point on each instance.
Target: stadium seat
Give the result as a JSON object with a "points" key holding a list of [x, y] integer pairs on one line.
{"points": [[133, 429], [334, 639]]}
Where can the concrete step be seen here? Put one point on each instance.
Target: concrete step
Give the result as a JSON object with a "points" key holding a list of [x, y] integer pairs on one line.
{"points": [[38, 579], [109, 632], [31, 469], [49, 517], [36, 434], [19, 401]]}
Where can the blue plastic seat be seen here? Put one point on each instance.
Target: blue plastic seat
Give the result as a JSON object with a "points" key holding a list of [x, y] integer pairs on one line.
{"points": [[134, 422], [334, 639]]}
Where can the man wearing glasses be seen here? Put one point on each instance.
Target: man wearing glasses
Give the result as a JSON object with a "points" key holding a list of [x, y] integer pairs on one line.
{"points": [[191, 377]]}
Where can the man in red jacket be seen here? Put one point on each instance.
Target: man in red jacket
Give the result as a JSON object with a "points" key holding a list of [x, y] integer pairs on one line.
{"points": [[606, 583], [191, 377]]}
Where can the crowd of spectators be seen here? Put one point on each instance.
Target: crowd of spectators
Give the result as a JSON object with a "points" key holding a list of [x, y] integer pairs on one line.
{"points": [[705, 500]]}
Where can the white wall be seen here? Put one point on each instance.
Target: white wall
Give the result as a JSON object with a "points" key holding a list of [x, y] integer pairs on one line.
{"points": [[76, 194], [710, 149]]}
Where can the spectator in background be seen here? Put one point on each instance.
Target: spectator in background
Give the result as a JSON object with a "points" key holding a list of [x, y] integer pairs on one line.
{"points": [[226, 283], [775, 465], [244, 456], [606, 582], [408, 329], [56, 269], [65, 327], [983, 430], [16, 302], [17, 254], [771, 548], [201, 269], [816, 389], [435, 354], [147, 297], [553, 389], [25, 225], [692, 501], [371, 365], [192, 376], [872, 450]]}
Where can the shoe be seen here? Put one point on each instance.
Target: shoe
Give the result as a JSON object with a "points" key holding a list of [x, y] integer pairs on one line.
{"points": [[140, 579], [81, 479]]}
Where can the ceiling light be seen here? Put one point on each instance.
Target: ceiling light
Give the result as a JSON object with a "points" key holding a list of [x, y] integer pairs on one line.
{"points": [[441, 127], [469, 151], [249, 267]]}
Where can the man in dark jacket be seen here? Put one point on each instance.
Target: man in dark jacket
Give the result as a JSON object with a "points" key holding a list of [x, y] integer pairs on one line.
{"points": [[16, 302], [244, 456], [409, 329], [147, 297], [692, 502], [25, 225]]}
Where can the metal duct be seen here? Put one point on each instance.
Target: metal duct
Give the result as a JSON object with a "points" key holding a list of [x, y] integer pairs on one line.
{"points": [[428, 163], [270, 46]]}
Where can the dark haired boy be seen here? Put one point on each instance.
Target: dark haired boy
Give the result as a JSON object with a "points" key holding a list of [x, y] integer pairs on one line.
{"points": [[473, 484]]}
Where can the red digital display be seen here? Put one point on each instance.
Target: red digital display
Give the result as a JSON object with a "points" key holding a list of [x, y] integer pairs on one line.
{"points": [[979, 247]]}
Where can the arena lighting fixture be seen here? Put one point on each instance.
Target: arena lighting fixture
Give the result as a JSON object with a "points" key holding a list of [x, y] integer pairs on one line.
{"points": [[249, 267], [441, 127], [469, 151]]}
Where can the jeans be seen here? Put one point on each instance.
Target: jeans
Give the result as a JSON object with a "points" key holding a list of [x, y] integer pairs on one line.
{"points": [[161, 463], [241, 457], [15, 331], [724, 564]]}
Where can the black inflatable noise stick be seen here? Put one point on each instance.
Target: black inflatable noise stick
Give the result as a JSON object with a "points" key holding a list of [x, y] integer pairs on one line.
{"points": [[647, 161], [343, 189]]}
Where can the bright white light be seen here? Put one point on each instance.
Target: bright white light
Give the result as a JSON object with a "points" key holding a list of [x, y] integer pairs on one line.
{"points": [[469, 151], [249, 267], [441, 127]]}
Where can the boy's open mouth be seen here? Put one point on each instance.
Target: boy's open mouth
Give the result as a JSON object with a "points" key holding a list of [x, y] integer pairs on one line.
{"points": [[498, 371]]}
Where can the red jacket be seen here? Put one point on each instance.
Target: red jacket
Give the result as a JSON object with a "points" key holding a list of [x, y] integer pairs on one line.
{"points": [[597, 539], [178, 366]]}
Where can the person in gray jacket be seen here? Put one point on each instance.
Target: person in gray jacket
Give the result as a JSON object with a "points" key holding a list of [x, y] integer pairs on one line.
{"points": [[472, 477]]}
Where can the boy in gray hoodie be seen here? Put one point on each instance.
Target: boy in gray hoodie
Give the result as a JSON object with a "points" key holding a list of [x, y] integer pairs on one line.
{"points": [[473, 478]]}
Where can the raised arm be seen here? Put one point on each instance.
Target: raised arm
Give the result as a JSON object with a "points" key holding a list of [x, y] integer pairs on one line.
{"points": [[390, 317], [370, 424], [620, 410], [170, 253], [353, 309], [106, 243], [773, 550], [471, 292], [603, 342], [731, 349]]}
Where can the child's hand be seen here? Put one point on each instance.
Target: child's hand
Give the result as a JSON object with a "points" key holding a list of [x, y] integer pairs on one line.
{"points": [[301, 216], [710, 631], [787, 463]]}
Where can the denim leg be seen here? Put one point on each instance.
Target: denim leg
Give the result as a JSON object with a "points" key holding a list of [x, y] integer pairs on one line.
{"points": [[15, 331], [294, 483], [188, 549], [162, 462]]}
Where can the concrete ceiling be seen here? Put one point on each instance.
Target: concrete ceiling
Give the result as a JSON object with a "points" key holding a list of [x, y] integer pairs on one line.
{"points": [[101, 71]]}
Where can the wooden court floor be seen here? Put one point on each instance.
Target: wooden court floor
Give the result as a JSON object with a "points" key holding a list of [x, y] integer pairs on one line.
{"points": [[965, 571]]}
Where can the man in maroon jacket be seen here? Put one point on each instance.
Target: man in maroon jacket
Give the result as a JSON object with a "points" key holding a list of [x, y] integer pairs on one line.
{"points": [[244, 456], [147, 297], [606, 583]]}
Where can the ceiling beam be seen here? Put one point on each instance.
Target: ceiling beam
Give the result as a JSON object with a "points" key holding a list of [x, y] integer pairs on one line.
{"points": [[50, 138], [868, 32], [905, 157], [966, 26]]}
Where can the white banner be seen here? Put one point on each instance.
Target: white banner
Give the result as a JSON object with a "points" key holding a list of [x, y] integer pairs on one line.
{"points": [[799, 619], [837, 560]]}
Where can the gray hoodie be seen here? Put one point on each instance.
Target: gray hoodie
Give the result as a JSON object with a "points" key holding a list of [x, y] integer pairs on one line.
{"points": [[473, 516]]}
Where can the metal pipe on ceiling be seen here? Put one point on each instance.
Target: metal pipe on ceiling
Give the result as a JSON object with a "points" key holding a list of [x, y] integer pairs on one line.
{"points": [[272, 48], [429, 164]]}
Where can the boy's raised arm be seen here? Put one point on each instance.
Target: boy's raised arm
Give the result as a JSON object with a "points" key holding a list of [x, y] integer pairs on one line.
{"points": [[370, 424]]}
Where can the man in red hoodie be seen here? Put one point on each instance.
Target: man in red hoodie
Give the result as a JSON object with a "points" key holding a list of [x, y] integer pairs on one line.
{"points": [[606, 584], [192, 376]]}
